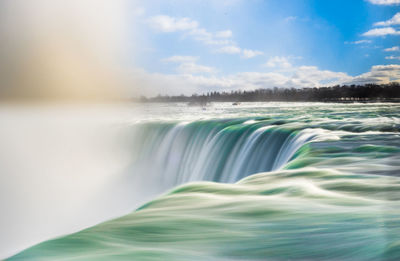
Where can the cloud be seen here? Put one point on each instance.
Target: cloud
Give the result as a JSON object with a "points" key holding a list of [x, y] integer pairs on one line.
{"points": [[207, 38], [246, 53], [167, 24], [290, 19], [224, 34], [359, 42], [385, 2], [279, 62], [188, 65], [180, 59], [313, 77], [231, 49], [395, 20], [392, 49], [382, 32], [299, 77], [193, 68], [392, 57], [379, 74]]}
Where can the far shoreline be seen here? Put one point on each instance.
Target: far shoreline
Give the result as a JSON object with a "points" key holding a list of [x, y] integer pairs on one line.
{"points": [[368, 93]]}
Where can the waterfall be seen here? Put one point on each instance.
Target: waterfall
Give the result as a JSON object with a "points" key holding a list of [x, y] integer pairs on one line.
{"points": [[214, 150]]}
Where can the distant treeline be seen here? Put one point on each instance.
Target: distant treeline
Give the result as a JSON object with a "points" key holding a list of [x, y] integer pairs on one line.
{"points": [[345, 93]]}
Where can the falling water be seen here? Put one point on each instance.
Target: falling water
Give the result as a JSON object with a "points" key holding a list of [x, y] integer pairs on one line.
{"points": [[216, 150]]}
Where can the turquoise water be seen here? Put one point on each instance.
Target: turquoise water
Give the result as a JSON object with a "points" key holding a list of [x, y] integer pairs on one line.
{"points": [[273, 181]]}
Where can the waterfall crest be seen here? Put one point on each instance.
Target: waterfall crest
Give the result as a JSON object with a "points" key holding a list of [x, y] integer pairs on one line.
{"points": [[215, 150]]}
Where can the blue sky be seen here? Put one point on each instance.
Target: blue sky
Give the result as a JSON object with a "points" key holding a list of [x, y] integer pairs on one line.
{"points": [[203, 45]]}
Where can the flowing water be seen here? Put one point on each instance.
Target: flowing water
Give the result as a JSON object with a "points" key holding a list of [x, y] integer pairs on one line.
{"points": [[275, 181]]}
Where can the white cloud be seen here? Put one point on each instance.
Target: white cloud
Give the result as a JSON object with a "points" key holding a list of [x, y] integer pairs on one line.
{"points": [[180, 59], [392, 49], [305, 76], [395, 20], [300, 77], [188, 65], [231, 49], [279, 62], [290, 18], [382, 32], [359, 42], [156, 83], [311, 76], [222, 39], [385, 2], [202, 35], [245, 53], [224, 34], [378, 74], [193, 68], [251, 53], [167, 24], [392, 57]]}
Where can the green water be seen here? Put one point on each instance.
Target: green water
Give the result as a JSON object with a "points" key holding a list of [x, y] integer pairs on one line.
{"points": [[315, 182]]}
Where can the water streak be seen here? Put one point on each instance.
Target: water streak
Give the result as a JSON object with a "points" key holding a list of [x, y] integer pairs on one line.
{"points": [[221, 151]]}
